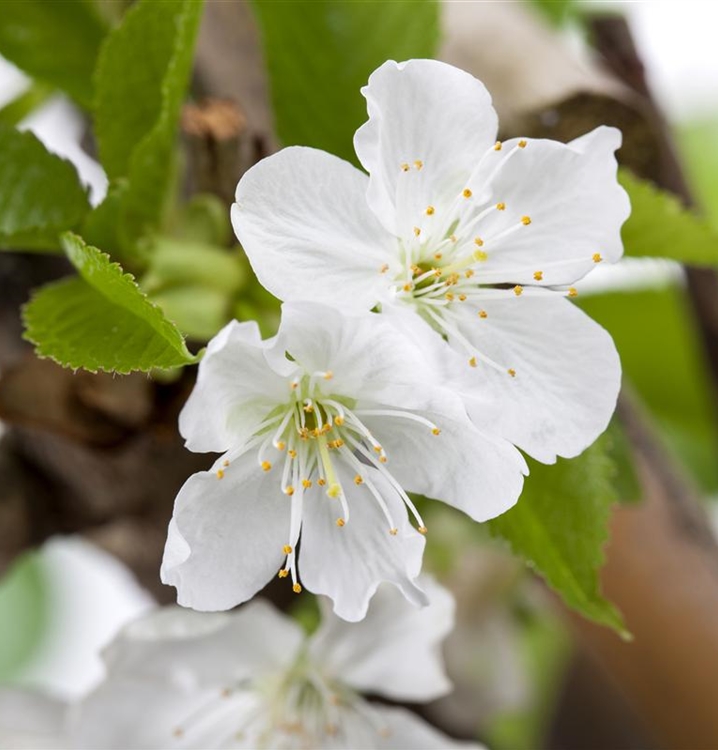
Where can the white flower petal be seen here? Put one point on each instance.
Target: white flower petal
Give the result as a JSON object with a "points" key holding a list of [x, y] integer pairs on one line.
{"points": [[571, 197], [567, 374], [407, 731], [395, 651], [474, 471], [348, 564], [31, 721], [302, 218], [190, 649], [235, 390], [235, 528], [421, 111]]}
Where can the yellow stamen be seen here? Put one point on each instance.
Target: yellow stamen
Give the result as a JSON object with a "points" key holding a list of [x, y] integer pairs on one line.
{"points": [[341, 522], [292, 453], [419, 164], [358, 480], [469, 273], [478, 242], [501, 206], [538, 275], [572, 291], [289, 490], [422, 529], [518, 290], [480, 255], [525, 220], [266, 466], [384, 268], [597, 258], [522, 143], [417, 231], [283, 573], [225, 463], [321, 482], [297, 588], [473, 362], [467, 193], [438, 256], [339, 421], [287, 549], [220, 474], [405, 167], [483, 314], [334, 490], [306, 483], [394, 531], [430, 210], [511, 372], [328, 375], [498, 145], [281, 445], [435, 431]]}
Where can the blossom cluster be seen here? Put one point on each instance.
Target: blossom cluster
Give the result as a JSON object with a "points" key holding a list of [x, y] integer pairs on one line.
{"points": [[428, 336]]}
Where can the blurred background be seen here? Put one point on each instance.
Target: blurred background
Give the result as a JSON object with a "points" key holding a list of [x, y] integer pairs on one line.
{"points": [[529, 673]]}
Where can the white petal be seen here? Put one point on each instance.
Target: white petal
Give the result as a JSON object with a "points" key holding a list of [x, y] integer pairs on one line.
{"points": [[407, 731], [427, 111], [189, 649], [571, 196], [31, 721], [234, 528], [395, 651], [348, 564], [567, 374], [472, 470], [235, 390], [302, 218]]}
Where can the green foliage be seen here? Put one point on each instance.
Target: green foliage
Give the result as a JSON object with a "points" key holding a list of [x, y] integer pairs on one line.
{"points": [[101, 321], [141, 79], [556, 11], [559, 527], [55, 41], [23, 105], [319, 54], [699, 148], [662, 359], [40, 193], [661, 226]]}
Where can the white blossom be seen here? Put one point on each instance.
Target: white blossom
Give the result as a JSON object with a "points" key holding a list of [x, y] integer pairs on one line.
{"points": [[468, 244], [30, 720], [252, 679], [323, 430]]}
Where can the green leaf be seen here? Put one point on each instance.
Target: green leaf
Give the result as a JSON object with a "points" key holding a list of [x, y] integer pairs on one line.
{"points": [[660, 226], [25, 104], [319, 54], [559, 527], [55, 41], [141, 79], [40, 193], [101, 321]]}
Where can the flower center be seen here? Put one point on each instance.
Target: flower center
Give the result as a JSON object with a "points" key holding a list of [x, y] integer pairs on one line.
{"points": [[309, 437]]}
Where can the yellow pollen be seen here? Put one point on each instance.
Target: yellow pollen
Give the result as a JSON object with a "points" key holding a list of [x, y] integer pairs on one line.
{"points": [[597, 258], [394, 531], [321, 482], [266, 466], [498, 145], [467, 193], [422, 529], [418, 164], [294, 385], [327, 428], [449, 296], [525, 220], [469, 273], [358, 479], [287, 549], [405, 167], [483, 314], [306, 483], [451, 279], [220, 474], [338, 443], [438, 256], [501, 206], [281, 445], [518, 290], [415, 269], [437, 272], [430, 210], [384, 268], [538, 275], [378, 448], [572, 291], [334, 490], [472, 362], [339, 421], [225, 463], [417, 231], [283, 573], [297, 588], [462, 298], [382, 459], [480, 255], [289, 490], [478, 242], [435, 431], [328, 375], [292, 453], [341, 522], [522, 143], [511, 372]]}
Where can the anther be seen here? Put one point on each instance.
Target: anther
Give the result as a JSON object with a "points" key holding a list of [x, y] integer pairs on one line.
{"points": [[321, 482], [289, 490], [430, 210], [511, 372], [220, 474], [382, 459], [341, 522], [522, 143], [328, 375], [483, 314], [297, 588], [394, 531], [358, 480], [334, 490], [280, 445], [501, 206], [283, 573], [596, 257], [469, 273], [462, 298], [518, 290], [308, 408], [449, 296], [306, 483], [538, 275], [480, 255], [478, 242], [418, 164], [384, 268], [339, 420], [287, 549], [408, 286], [472, 362], [417, 231], [438, 256], [422, 529], [525, 220], [498, 145], [435, 431], [467, 193], [266, 466], [405, 167], [225, 463], [572, 291], [437, 272], [292, 453], [452, 237]]}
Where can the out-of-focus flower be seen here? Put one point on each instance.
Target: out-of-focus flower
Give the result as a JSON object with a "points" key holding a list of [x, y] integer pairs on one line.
{"points": [[323, 429], [470, 245], [252, 679]]}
